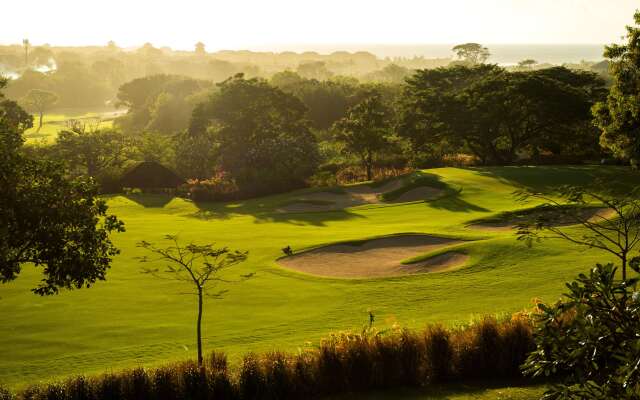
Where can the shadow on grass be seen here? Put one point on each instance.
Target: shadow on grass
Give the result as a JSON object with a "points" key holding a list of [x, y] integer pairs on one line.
{"points": [[265, 214], [150, 200], [453, 202], [607, 179]]}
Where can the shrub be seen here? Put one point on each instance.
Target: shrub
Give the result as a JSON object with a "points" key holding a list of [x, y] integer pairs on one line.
{"points": [[590, 339], [217, 188], [438, 354], [251, 381], [220, 385], [78, 388], [165, 384], [5, 394]]}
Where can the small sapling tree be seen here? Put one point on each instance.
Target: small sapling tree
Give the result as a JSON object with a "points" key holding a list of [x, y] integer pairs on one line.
{"points": [[616, 231], [199, 265]]}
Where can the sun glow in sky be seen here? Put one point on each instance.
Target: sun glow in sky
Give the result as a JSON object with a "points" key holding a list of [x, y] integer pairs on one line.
{"points": [[263, 24]]}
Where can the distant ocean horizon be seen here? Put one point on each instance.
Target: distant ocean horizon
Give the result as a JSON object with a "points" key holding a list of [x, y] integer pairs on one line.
{"points": [[504, 54]]}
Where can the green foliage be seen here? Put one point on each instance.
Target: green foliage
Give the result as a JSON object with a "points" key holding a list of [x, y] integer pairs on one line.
{"points": [[262, 135], [365, 131], [498, 115], [93, 152], [196, 155], [48, 219], [619, 116], [590, 339]]}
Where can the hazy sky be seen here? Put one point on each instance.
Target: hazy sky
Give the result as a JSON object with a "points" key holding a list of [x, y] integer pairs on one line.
{"points": [[233, 24]]}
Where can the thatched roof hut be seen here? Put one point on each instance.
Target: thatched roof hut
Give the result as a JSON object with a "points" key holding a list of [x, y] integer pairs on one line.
{"points": [[150, 175]]}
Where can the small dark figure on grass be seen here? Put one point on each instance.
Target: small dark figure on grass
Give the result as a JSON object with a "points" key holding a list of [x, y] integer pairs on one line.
{"points": [[288, 251]]}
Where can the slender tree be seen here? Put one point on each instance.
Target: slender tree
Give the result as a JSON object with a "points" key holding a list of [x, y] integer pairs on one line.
{"points": [[202, 266], [617, 233]]}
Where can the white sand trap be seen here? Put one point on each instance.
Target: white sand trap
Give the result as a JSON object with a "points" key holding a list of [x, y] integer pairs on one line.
{"points": [[511, 221], [374, 258], [351, 196]]}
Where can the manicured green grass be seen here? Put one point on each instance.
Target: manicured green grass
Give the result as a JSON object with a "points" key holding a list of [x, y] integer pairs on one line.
{"points": [[133, 319], [57, 120]]}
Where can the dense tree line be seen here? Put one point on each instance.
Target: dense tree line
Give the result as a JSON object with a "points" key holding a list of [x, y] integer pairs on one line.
{"points": [[255, 135], [266, 136]]}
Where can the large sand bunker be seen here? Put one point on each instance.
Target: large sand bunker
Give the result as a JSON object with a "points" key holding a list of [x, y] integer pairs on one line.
{"points": [[376, 257], [509, 221], [352, 196]]}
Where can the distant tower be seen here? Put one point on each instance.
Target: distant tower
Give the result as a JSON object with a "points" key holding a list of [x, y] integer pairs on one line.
{"points": [[26, 45], [200, 49]]}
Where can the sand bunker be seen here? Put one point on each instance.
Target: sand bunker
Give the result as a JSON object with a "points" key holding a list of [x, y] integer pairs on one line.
{"points": [[510, 220], [352, 196], [376, 258]]}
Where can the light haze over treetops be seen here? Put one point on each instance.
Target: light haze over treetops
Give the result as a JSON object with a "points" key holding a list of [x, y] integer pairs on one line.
{"points": [[280, 24]]}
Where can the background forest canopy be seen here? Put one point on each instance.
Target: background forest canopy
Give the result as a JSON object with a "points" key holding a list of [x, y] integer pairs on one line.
{"points": [[308, 118]]}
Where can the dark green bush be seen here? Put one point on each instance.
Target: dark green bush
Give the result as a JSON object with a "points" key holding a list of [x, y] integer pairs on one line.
{"points": [[590, 339]]}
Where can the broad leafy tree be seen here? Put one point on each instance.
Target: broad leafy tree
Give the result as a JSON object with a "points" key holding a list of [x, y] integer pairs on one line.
{"points": [[619, 116], [56, 223], [365, 131], [40, 101], [203, 267], [89, 151], [262, 135], [499, 115], [472, 53]]}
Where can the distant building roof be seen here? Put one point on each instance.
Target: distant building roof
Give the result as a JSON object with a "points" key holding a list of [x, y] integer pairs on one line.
{"points": [[151, 175]]}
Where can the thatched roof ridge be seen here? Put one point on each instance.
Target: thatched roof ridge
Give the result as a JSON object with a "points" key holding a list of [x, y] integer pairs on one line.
{"points": [[150, 175]]}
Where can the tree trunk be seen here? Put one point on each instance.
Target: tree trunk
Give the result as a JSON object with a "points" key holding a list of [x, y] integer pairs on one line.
{"points": [[624, 268], [40, 122], [367, 162], [199, 328]]}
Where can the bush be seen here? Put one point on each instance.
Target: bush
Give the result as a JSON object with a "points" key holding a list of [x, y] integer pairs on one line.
{"points": [[217, 188], [590, 340], [5, 394], [438, 354]]}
